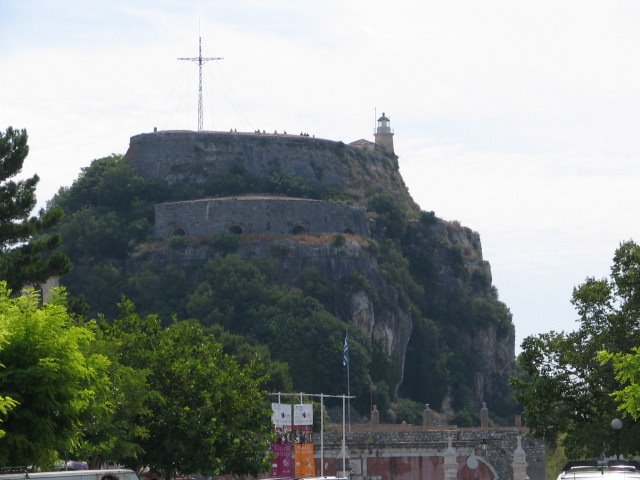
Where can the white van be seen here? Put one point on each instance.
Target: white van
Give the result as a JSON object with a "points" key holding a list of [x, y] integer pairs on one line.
{"points": [[111, 474], [607, 470]]}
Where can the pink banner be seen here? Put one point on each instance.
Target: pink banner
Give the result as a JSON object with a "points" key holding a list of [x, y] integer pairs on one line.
{"points": [[282, 464]]}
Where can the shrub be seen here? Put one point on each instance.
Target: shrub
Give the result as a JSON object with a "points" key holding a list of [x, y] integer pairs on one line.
{"points": [[339, 240], [226, 243], [178, 242]]}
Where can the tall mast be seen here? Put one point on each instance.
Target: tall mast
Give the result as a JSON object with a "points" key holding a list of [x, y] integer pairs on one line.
{"points": [[200, 60]]}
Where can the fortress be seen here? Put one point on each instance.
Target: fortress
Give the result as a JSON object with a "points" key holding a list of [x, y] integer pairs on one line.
{"points": [[188, 160]]}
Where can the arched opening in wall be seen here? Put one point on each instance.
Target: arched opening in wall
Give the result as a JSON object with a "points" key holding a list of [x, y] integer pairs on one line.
{"points": [[179, 232], [298, 229], [348, 231], [237, 229]]}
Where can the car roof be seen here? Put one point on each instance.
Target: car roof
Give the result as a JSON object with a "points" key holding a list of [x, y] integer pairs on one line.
{"points": [[628, 465]]}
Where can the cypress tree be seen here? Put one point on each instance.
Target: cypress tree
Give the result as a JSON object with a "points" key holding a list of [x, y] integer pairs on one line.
{"points": [[28, 250]]}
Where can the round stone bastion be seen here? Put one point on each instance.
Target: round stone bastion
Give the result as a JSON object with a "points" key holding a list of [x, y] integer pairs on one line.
{"points": [[247, 214]]}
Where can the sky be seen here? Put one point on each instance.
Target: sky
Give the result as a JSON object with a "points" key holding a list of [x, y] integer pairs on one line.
{"points": [[519, 119]]}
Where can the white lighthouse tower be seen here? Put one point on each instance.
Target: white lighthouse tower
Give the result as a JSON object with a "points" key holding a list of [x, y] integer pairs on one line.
{"points": [[384, 134]]}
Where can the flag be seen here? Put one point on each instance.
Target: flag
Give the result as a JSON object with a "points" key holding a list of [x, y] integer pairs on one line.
{"points": [[345, 352]]}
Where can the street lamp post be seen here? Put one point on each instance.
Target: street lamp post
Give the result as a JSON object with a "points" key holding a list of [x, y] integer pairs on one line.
{"points": [[616, 425]]}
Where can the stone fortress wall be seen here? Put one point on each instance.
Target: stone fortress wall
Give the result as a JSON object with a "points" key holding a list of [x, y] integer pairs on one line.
{"points": [[176, 155], [192, 158], [247, 214], [198, 158]]}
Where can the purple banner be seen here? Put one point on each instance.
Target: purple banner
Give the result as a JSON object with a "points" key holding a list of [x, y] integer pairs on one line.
{"points": [[282, 464]]}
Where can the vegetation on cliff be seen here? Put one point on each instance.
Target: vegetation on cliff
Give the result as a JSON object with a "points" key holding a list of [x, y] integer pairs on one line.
{"points": [[434, 269]]}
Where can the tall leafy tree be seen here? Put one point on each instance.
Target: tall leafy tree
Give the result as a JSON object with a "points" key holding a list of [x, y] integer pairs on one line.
{"points": [[50, 376], [566, 388], [209, 414], [6, 403], [23, 258], [114, 425], [627, 368]]}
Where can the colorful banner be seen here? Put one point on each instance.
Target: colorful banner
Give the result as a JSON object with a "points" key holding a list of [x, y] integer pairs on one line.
{"points": [[281, 419], [305, 465], [282, 464], [303, 423]]}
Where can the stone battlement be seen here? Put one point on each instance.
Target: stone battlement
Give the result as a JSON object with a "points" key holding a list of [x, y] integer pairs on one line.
{"points": [[254, 213]]}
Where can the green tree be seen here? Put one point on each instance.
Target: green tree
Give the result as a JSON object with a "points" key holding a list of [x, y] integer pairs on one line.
{"points": [[626, 364], [6, 403], [24, 258], [209, 414], [47, 372], [627, 369], [566, 387], [391, 216], [115, 425]]}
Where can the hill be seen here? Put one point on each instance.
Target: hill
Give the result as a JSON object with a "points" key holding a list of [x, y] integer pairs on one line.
{"points": [[291, 241]]}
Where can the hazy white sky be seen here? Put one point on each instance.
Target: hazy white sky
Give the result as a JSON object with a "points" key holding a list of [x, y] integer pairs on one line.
{"points": [[520, 119]]}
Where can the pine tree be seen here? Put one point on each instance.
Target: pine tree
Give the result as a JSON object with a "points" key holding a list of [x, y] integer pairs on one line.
{"points": [[28, 254]]}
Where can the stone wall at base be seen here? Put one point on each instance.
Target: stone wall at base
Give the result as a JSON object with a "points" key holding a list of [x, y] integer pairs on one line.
{"points": [[419, 454]]}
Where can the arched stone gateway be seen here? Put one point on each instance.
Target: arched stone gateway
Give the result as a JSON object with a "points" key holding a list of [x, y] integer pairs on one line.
{"points": [[247, 214]]}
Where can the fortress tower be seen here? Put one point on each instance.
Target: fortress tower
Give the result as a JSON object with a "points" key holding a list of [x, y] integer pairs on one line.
{"points": [[384, 135]]}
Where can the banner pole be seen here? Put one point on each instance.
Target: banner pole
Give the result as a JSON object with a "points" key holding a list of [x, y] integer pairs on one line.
{"points": [[321, 435], [344, 447], [349, 394]]}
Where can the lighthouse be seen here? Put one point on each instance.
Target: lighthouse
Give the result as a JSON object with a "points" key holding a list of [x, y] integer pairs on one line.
{"points": [[384, 135]]}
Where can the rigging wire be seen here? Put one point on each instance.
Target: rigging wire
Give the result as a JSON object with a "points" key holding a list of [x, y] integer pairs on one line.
{"points": [[233, 98], [175, 102]]}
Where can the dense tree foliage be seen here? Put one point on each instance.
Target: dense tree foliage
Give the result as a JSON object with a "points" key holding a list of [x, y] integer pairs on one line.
{"points": [[208, 413], [6, 403], [23, 259], [627, 370], [133, 393], [49, 375], [568, 389], [115, 424]]}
